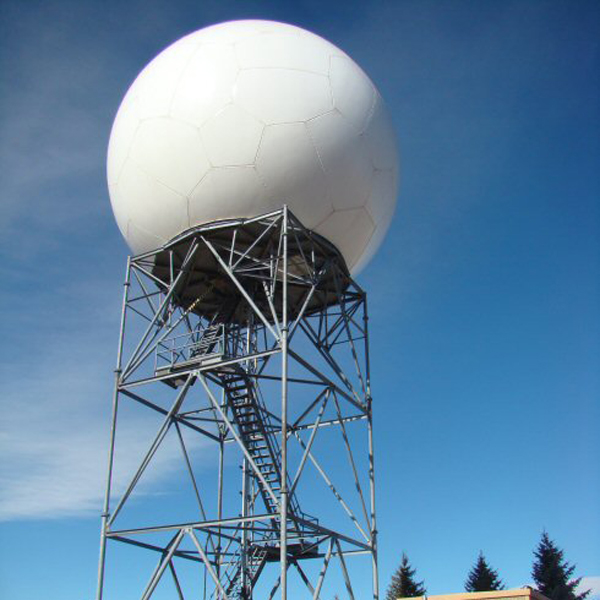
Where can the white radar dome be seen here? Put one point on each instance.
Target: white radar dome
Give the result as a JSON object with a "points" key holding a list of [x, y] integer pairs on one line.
{"points": [[240, 118]]}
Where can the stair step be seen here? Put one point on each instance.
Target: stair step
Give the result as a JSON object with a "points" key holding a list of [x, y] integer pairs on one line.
{"points": [[266, 473], [236, 388]]}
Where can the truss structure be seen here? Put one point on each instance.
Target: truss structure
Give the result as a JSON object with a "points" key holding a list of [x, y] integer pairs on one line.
{"points": [[247, 341]]}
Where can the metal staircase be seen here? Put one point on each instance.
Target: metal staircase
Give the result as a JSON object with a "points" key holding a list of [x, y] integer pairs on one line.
{"points": [[255, 428], [255, 560], [249, 412]]}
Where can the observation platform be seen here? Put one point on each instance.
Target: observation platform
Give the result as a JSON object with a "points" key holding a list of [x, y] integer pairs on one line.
{"points": [[222, 258]]}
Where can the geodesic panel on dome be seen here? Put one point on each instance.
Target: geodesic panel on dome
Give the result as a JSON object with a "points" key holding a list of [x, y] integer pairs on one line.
{"points": [[218, 193], [178, 161], [291, 170], [349, 172], [232, 122]]}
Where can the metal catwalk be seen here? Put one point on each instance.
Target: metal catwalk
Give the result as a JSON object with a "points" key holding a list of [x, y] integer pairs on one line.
{"points": [[248, 340]]}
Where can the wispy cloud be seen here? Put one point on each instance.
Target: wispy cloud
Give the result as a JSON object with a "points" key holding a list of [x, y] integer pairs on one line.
{"points": [[54, 441], [57, 465], [55, 366], [58, 349]]}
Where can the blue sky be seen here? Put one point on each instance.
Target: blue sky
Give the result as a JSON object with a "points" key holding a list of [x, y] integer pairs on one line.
{"points": [[484, 297]]}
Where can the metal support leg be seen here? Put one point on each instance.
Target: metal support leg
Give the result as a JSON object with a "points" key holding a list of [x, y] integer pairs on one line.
{"points": [[375, 567], [284, 417], [111, 446]]}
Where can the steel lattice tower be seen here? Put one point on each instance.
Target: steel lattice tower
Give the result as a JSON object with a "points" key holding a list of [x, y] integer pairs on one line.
{"points": [[248, 339]]}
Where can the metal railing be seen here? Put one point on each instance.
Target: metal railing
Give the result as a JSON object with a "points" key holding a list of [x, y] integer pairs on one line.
{"points": [[191, 347]]}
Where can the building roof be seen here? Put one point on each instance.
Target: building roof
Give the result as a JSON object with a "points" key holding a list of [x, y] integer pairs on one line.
{"points": [[525, 593]]}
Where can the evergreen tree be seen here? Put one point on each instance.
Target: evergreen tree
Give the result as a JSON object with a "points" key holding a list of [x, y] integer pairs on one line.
{"points": [[403, 584], [552, 573], [482, 578]]}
